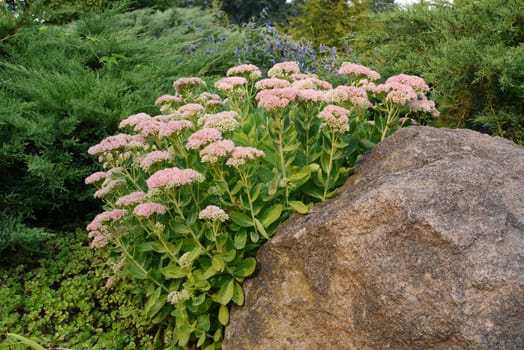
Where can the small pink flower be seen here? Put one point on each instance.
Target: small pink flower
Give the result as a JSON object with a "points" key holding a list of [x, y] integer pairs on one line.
{"points": [[173, 127], [217, 149], [283, 69], [117, 142], [230, 84], [148, 127], [95, 177], [168, 99], [275, 99], [417, 83], [173, 177], [153, 158], [106, 217], [184, 86], [132, 120], [130, 199], [213, 213], [147, 209], [189, 111], [240, 155], [272, 83], [335, 117], [249, 71], [311, 95], [358, 70], [397, 92], [357, 96], [311, 83], [425, 106], [224, 121], [203, 137]]}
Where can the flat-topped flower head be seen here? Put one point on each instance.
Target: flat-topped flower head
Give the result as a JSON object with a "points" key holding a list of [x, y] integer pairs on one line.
{"points": [[186, 86], [240, 155], [224, 121], [131, 199], [356, 96], [177, 297], [117, 142], [203, 137], [248, 71], [106, 217], [171, 100], [272, 83], [109, 187], [134, 119], [424, 106], [189, 111], [173, 127], [148, 127], [358, 70], [275, 99], [147, 209], [212, 152], [417, 83], [283, 69], [173, 177], [311, 83], [154, 157], [335, 117], [231, 85], [213, 213], [95, 177], [397, 93], [311, 95]]}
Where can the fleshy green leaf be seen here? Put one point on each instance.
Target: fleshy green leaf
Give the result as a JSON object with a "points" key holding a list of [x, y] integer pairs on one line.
{"points": [[299, 207], [136, 272], [246, 267], [241, 219], [240, 240], [238, 294], [271, 215], [261, 229], [223, 315], [225, 293], [218, 262]]}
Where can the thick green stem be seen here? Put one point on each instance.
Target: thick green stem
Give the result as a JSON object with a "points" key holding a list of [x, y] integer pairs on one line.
{"points": [[330, 164]]}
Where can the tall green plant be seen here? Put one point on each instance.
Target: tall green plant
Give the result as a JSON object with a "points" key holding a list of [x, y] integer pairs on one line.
{"points": [[192, 193]]}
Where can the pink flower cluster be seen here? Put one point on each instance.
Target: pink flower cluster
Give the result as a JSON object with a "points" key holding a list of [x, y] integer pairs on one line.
{"points": [[397, 93], [425, 106], [169, 100], [249, 71], [275, 99], [173, 177], [283, 69], [131, 199], [116, 142], [148, 127], [213, 213], [311, 95], [240, 155], [348, 68], [311, 83], [147, 209], [98, 229], [209, 100], [95, 177], [230, 84], [134, 119], [185, 86], [203, 137], [189, 111], [223, 121], [153, 158], [272, 83], [335, 117], [417, 83], [357, 96], [217, 149], [174, 126], [108, 187]]}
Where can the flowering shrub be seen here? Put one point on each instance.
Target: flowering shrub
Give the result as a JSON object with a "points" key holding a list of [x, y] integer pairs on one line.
{"points": [[192, 193]]}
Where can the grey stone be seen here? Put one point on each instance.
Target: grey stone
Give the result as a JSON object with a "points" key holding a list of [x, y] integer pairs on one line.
{"points": [[422, 249]]}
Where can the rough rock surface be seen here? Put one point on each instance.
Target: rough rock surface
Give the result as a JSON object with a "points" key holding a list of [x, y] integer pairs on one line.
{"points": [[422, 249]]}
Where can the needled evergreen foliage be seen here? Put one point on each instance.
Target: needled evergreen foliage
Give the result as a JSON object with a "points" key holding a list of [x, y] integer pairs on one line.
{"points": [[64, 88], [470, 51]]}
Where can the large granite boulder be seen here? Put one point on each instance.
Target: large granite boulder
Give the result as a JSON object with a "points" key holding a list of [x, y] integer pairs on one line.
{"points": [[422, 249]]}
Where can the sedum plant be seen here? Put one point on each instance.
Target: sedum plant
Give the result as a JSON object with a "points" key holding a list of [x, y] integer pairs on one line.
{"points": [[191, 194]]}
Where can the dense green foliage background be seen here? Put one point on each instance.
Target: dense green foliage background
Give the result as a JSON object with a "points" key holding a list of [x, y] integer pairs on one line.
{"points": [[71, 70]]}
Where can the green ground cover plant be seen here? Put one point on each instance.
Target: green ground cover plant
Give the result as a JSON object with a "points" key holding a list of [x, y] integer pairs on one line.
{"points": [[191, 193]]}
